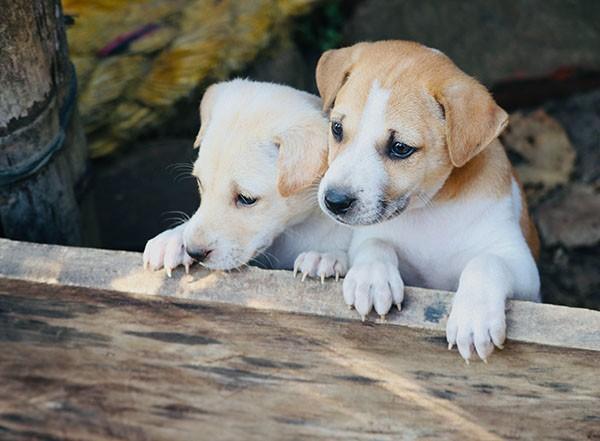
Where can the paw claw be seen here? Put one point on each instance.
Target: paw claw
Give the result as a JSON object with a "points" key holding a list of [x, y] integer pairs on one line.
{"points": [[304, 275], [168, 271], [337, 276], [399, 306], [363, 318], [322, 279], [467, 362], [382, 317], [450, 346]]}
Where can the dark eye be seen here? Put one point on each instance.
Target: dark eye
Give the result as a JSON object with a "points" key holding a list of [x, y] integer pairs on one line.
{"points": [[337, 130], [245, 200], [399, 150]]}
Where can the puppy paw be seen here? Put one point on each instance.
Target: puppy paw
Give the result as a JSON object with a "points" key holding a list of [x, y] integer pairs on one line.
{"points": [[375, 284], [323, 265], [476, 324], [167, 251]]}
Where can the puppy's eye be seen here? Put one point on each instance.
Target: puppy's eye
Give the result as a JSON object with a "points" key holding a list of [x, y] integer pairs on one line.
{"points": [[399, 150], [246, 201], [337, 130]]}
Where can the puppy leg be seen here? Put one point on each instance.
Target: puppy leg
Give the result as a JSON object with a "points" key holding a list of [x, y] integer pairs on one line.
{"points": [[323, 265], [477, 321], [374, 279], [167, 250]]}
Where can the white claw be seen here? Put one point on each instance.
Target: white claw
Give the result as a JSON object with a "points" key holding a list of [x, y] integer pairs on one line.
{"points": [[382, 317], [168, 271], [304, 275], [450, 346], [337, 276], [485, 361], [322, 278], [187, 268], [467, 361], [146, 265], [363, 318], [399, 306]]}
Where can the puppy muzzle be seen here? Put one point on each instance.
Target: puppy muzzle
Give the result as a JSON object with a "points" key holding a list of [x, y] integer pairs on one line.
{"points": [[347, 208]]}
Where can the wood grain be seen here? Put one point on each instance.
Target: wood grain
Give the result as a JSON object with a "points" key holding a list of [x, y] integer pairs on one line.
{"points": [[35, 79], [81, 364], [277, 291]]}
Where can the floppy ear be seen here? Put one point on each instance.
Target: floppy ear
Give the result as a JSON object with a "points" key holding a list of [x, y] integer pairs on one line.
{"points": [[333, 69], [206, 106], [473, 119], [302, 157]]}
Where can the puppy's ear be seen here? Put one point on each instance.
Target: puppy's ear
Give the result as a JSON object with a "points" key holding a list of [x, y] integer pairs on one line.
{"points": [[333, 69], [302, 157], [473, 119], [206, 105]]}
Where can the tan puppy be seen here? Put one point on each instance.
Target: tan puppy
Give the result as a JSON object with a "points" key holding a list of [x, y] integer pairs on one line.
{"points": [[414, 159], [262, 150]]}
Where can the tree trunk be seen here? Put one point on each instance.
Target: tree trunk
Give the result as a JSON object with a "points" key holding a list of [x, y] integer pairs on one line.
{"points": [[43, 153]]}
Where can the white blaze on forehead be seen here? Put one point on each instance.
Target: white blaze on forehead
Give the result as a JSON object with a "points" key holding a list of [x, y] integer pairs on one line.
{"points": [[372, 121], [359, 167]]}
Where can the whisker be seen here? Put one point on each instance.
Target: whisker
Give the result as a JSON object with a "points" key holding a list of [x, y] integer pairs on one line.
{"points": [[181, 213]]}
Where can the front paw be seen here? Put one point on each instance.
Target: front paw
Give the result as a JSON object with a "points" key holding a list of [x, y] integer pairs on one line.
{"points": [[375, 284], [323, 265], [476, 323], [167, 250]]}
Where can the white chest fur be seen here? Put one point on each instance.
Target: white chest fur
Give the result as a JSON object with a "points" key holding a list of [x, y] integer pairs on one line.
{"points": [[435, 243]]}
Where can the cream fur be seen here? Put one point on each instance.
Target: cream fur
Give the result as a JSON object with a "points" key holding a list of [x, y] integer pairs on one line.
{"points": [[268, 142]]}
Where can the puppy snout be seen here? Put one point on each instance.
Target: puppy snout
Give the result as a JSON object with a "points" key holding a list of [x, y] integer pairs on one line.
{"points": [[199, 255], [338, 201]]}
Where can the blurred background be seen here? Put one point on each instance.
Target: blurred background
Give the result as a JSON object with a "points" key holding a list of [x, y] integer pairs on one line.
{"points": [[142, 66]]}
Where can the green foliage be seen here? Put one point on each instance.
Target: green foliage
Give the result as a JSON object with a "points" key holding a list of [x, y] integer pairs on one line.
{"points": [[322, 29]]}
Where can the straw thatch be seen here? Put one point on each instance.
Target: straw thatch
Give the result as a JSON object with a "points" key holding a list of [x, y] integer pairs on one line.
{"points": [[136, 58]]}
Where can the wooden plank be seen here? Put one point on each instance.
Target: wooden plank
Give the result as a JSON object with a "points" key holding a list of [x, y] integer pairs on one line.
{"points": [[81, 364], [278, 291]]}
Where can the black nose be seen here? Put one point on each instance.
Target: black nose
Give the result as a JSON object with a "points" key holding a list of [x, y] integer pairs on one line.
{"points": [[198, 255], [338, 201]]}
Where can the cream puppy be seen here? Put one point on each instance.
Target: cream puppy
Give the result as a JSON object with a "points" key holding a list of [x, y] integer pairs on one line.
{"points": [[414, 160], [262, 151]]}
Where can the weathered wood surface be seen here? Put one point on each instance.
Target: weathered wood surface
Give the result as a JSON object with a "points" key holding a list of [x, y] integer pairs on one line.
{"points": [[79, 364], [35, 81], [277, 290]]}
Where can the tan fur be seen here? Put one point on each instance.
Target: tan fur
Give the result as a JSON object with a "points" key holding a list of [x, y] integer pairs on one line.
{"points": [[434, 106], [297, 168], [527, 225], [486, 174]]}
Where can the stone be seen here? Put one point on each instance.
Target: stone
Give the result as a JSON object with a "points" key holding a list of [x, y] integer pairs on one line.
{"points": [[571, 219], [580, 116], [544, 155], [492, 41]]}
